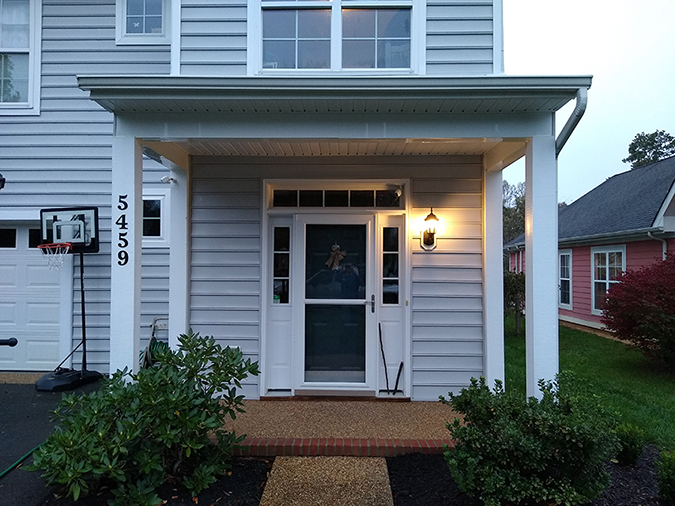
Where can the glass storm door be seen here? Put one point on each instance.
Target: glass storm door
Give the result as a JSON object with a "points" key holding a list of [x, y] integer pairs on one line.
{"points": [[338, 302]]}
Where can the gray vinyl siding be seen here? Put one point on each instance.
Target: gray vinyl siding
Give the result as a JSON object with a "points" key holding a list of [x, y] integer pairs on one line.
{"points": [[62, 158], [213, 37], [447, 289], [460, 37]]}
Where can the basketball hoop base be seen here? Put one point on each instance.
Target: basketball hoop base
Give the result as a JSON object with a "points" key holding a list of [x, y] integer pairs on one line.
{"points": [[66, 379]]}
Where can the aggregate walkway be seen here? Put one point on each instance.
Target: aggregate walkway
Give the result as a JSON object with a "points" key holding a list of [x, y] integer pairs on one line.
{"points": [[316, 443], [342, 428]]}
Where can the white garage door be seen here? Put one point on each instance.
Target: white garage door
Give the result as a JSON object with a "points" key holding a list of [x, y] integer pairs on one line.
{"points": [[29, 302]]}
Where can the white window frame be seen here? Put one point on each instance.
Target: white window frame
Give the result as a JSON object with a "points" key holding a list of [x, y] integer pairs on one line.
{"points": [[123, 38], [32, 106], [417, 35], [606, 250], [561, 253], [164, 196]]}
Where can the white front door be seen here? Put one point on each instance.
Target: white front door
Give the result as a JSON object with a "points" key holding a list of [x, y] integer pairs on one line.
{"points": [[335, 303]]}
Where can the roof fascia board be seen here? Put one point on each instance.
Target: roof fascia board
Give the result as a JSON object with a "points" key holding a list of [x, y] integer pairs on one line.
{"points": [[563, 83], [658, 221], [623, 236]]}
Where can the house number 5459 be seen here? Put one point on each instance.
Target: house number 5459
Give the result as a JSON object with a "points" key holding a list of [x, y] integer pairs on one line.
{"points": [[122, 242]]}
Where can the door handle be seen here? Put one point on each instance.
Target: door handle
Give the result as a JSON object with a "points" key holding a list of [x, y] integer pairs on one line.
{"points": [[372, 303]]}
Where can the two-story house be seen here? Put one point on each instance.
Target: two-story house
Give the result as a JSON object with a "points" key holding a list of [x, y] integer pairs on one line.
{"points": [[271, 164]]}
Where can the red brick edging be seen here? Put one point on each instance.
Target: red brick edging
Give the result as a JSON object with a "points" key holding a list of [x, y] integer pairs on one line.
{"points": [[339, 447]]}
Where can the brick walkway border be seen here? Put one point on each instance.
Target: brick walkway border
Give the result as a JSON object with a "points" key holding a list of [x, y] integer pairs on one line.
{"points": [[339, 447]]}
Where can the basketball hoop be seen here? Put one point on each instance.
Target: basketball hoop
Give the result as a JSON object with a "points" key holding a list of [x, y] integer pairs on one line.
{"points": [[55, 253]]}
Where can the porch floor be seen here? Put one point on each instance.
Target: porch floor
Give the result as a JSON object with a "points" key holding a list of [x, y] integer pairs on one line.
{"points": [[356, 428]]}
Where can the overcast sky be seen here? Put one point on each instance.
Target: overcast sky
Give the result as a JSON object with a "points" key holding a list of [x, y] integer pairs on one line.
{"points": [[628, 46]]}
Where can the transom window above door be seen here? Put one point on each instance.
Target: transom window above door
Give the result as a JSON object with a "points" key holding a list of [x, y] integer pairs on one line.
{"points": [[340, 35], [361, 198]]}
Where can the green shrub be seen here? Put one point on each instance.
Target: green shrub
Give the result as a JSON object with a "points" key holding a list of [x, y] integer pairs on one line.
{"points": [[631, 444], [510, 449], [666, 476], [139, 430]]}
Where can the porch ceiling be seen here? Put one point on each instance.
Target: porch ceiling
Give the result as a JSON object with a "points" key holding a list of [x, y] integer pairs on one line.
{"points": [[353, 94], [333, 147]]}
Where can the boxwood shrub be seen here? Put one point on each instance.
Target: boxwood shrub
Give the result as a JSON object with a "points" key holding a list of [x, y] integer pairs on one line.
{"points": [[515, 450]]}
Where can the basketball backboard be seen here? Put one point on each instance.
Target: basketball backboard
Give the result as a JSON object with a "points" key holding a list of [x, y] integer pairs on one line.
{"points": [[76, 225]]}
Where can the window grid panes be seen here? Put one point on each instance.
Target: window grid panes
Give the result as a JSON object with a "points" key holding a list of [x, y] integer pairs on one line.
{"points": [[376, 38], [565, 295], [14, 50], [298, 35], [337, 198], [607, 266], [152, 218], [390, 265], [281, 268], [144, 17], [296, 38]]}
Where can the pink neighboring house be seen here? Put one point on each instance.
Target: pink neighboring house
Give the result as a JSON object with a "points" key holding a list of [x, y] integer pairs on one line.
{"points": [[624, 224]]}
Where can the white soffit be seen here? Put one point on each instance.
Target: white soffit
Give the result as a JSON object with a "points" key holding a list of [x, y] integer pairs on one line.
{"points": [[332, 147]]}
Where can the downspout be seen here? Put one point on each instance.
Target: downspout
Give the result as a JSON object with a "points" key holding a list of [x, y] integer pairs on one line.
{"points": [[662, 241], [572, 121]]}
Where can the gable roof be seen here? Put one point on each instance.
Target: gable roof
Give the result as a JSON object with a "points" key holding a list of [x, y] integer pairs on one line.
{"points": [[625, 203]]}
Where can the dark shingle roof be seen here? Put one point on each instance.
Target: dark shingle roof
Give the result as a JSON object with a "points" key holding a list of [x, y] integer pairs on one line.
{"points": [[623, 203]]}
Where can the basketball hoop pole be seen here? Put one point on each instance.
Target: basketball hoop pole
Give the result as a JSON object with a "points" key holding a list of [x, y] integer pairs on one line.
{"points": [[84, 326]]}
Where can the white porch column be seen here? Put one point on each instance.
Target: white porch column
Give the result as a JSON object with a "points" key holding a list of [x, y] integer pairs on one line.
{"points": [[493, 278], [125, 282], [178, 254], [541, 259]]}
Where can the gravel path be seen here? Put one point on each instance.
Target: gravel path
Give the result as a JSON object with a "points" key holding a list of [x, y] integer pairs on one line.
{"points": [[344, 419], [328, 481]]}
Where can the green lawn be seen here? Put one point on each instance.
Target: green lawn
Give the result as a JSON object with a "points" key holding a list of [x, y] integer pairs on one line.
{"points": [[636, 389]]}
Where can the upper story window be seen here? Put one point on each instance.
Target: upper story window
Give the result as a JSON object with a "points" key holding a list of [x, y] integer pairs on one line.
{"points": [[608, 264], [340, 35], [143, 21], [19, 57]]}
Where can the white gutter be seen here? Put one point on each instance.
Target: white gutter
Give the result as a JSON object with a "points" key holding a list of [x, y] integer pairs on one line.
{"points": [[663, 242], [572, 121]]}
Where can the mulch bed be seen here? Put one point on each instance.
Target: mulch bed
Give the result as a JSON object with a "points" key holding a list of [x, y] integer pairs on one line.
{"points": [[418, 480], [243, 488]]}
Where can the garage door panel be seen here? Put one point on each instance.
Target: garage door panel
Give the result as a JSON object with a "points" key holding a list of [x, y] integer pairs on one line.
{"points": [[41, 352], [9, 277], [8, 314], [29, 308], [42, 313], [40, 276]]}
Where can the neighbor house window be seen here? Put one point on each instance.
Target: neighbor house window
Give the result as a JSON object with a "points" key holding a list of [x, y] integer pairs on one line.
{"points": [[565, 279], [19, 56], [608, 263], [319, 35], [143, 21]]}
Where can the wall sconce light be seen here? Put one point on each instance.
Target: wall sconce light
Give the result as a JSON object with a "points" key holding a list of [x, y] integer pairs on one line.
{"points": [[2, 182], [167, 179], [429, 235]]}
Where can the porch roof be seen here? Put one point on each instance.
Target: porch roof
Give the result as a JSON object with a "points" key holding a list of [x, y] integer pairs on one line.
{"points": [[124, 94]]}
